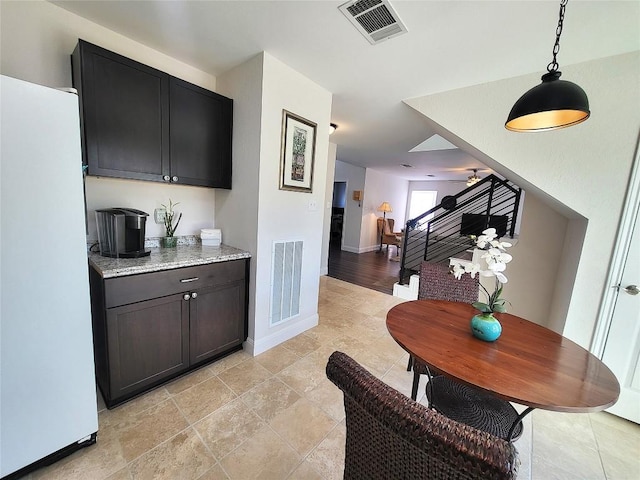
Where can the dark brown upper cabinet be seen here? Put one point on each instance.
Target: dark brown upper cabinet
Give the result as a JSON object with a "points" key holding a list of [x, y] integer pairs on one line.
{"points": [[143, 124], [200, 135]]}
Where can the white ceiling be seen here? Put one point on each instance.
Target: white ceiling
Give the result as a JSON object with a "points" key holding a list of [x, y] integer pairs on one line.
{"points": [[449, 45]]}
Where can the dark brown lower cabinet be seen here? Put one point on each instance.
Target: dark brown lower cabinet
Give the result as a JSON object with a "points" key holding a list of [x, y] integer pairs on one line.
{"points": [[141, 342], [213, 315], [147, 343]]}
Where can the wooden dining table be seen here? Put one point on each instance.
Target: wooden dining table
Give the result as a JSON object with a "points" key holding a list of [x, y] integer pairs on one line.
{"points": [[528, 364]]}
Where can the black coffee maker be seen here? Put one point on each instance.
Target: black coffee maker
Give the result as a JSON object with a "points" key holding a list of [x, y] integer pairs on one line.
{"points": [[121, 232]]}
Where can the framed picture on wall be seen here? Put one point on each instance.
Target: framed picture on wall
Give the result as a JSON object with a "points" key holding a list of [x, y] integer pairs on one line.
{"points": [[297, 152]]}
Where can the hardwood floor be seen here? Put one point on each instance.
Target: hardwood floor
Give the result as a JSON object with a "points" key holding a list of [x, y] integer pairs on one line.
{"points": [[371, 270]]}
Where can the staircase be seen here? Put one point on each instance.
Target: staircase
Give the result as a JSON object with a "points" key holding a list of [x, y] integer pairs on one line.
{"points": [[445, 230]]}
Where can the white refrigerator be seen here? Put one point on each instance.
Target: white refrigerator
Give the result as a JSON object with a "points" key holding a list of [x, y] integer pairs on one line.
{"points": [[47, 383]]}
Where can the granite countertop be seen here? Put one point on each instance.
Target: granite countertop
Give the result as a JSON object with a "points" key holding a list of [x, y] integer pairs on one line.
{"points": [[165, 259]]}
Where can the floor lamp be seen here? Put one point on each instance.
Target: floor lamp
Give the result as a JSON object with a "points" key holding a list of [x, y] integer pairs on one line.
{"points": [[384, 208]]}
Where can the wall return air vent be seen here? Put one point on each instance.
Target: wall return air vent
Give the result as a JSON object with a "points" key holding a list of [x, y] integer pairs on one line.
{"points": [[376, 20]]}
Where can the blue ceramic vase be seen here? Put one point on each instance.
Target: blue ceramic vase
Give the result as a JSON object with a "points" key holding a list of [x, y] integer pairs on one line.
{"points": [[486, 327]]}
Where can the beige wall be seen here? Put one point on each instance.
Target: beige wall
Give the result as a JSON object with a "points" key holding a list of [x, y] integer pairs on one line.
{"points": [[583, 169], [536, 256], [36, 41]]}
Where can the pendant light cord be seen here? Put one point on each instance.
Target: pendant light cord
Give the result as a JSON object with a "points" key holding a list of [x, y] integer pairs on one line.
{"points": [[553, 65]]}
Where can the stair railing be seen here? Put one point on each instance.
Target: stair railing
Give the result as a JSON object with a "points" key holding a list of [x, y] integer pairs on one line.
{"points": [[444, 231]]}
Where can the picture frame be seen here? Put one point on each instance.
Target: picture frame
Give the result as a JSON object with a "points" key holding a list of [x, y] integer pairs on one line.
{"points": [[297, 152]]}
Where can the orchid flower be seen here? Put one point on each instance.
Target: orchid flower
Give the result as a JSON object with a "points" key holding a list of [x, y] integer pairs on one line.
{"points": [[496, 259], [499, 244], [487, 236], [501, 278], [472, 269], [458, 270]]}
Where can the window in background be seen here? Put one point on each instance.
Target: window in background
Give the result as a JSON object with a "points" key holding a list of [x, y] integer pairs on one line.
{"points": [[421, 201]]}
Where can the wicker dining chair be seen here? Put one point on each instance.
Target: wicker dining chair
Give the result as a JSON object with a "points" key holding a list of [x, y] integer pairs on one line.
{"points": [[436, 283], [390, 436]]}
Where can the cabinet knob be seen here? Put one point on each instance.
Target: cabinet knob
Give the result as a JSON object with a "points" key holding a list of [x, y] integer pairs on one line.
{"points": [[194, 295], [166, 178], [174, 178], [186, 296]]}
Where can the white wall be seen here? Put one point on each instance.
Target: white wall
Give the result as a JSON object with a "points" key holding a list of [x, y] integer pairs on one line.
{"points": [[36, 41], [286, 215], [381, 187], [237, 209], [360, 231], [584, 167], [257, 212], [196, 204], [352, 223]]}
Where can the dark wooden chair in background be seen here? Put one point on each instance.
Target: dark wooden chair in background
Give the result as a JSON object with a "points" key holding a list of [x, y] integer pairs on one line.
{"points": [[392, 436]]}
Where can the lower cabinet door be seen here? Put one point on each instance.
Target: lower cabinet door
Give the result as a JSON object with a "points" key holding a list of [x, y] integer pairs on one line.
{"points": [[217, 320], [148, 342]]}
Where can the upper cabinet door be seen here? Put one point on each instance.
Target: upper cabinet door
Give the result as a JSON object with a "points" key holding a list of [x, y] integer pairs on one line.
{"points": [[200, 135], [125, 115]]}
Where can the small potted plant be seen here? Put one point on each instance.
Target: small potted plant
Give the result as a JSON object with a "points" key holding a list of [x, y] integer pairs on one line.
{"points": [[170, 240]]}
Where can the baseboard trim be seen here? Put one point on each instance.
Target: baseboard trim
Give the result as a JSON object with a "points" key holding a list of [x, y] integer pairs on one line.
{"points": [[256, 347], [361, 250]]}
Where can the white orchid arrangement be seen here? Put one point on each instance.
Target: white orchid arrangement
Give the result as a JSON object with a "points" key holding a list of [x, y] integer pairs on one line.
{"points": [[496, 259]]}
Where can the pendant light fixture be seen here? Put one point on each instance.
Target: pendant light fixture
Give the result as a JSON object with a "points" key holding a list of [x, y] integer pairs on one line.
{"points": [[554, 103]]}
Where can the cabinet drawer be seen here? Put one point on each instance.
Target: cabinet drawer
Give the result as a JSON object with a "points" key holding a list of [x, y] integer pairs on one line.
{"points": [[137, 288]]}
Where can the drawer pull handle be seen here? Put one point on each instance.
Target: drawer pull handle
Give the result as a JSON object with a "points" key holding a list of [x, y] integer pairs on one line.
{"points": [[187, 280]]}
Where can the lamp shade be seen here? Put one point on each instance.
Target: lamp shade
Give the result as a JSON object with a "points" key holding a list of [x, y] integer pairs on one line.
{"points": [[551, 105], [385, 207]]}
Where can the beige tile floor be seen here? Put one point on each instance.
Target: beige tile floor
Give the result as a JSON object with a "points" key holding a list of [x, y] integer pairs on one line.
{"points": [[276, 416]]}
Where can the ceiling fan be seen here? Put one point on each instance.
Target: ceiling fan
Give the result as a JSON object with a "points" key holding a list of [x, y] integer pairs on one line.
{"points": [[474, 178]]}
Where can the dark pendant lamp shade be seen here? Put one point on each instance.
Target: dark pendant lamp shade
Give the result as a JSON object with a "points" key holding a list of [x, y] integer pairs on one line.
{"points": [[551, 105], [554, 103]]}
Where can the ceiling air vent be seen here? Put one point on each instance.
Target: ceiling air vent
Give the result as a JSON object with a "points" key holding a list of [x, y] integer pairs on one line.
{"points": [[376, 20]]}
